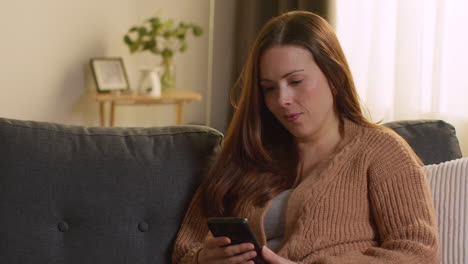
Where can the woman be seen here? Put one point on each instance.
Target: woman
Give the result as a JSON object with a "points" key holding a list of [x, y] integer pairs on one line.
{"points": [[316, 180]]}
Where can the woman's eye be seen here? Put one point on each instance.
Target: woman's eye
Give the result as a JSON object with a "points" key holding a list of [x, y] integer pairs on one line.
{"points": [[267, 89], [295, 82]]}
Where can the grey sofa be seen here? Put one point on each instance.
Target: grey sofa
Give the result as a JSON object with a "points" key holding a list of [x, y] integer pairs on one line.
{"points": [[72, 194]]}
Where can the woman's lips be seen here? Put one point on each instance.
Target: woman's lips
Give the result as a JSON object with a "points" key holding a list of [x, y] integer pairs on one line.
{"points": [[292, 117]]}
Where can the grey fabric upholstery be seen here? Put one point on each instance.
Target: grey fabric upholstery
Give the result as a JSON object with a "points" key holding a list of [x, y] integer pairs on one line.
{"points": [[434, 141], [81, 195]]}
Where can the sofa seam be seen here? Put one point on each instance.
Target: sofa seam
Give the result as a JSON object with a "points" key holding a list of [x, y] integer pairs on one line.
{"points": [[423, 123], [139, 135]]}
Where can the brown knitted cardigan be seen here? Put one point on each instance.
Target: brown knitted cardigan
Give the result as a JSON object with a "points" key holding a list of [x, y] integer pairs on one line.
{"points": [[371, 204]]}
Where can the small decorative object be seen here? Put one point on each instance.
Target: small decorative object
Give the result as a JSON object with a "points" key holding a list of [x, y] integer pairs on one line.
{"points": [[161, 38], [109, 74], [149, 76]]}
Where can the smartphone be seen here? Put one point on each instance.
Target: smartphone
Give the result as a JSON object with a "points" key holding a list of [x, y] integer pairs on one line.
{"points": [[238, 230]]}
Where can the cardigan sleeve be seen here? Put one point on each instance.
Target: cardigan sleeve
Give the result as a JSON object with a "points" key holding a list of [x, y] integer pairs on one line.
{"points": [[401, 207], [191, 235]]}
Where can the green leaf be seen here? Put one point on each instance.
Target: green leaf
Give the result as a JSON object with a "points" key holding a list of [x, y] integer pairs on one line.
{"points": [[134, 47], [154, 28], [183, 46], [142, 31], [154, 20], [167, 53], [179, 31], [167, 34], [127, 40], [133, 29], [168, 25], [197, 30], [149, 45], [155, 51], [181, 36]]}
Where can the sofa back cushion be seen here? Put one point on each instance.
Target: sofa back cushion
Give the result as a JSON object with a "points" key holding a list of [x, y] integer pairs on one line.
{"points": [[72, 194], [434, 141]]}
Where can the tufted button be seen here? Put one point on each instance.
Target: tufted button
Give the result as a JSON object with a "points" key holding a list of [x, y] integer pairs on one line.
{"points": [[143, 226], [63, 226]]}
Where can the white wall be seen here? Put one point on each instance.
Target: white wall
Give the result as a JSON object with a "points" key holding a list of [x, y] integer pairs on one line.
{"points": [[45, 46]]}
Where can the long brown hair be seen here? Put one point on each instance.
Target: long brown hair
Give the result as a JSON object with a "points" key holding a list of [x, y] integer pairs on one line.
{"points": [[259, 158]]}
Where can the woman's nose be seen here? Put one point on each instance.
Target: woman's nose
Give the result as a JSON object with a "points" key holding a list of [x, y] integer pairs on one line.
{"points": [[285, 96]]}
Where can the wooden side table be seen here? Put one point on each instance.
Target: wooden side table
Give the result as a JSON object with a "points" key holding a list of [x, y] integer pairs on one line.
{"points": [[178, 97]]}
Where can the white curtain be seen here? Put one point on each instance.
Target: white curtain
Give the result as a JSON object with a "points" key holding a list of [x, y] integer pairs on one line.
{"points": [[409, 58]]}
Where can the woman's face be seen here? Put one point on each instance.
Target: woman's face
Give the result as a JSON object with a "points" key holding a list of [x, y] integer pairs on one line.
{"points": [[296, 91]]}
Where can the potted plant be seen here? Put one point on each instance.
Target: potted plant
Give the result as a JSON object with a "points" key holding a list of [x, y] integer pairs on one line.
{"points": [[162, 38]]}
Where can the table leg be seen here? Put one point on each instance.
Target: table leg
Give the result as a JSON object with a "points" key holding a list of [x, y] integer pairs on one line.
{"points": [[112, 113], [101, 113], [179, 113]]}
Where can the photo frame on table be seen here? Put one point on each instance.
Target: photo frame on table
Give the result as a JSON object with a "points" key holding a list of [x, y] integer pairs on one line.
{"points": [[109, 74]]}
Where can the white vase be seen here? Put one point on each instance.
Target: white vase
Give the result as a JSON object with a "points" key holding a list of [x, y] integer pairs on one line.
{"points": [[149, 81], [155, 83]]}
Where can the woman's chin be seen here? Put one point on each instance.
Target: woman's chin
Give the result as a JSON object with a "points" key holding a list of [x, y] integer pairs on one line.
{"points": [[301, 133], [297, 133]]}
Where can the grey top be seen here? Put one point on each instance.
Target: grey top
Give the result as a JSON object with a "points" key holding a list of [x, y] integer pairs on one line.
{"points": [[274, 221]]}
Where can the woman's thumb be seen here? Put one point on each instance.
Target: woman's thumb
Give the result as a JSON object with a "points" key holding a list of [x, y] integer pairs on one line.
{"points": [[269, 255]]}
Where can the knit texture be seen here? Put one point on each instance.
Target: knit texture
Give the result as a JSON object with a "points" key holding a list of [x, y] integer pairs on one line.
{"points": [[371, 204], [449, 185]]}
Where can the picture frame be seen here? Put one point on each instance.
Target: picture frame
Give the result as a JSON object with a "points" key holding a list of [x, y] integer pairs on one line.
{"points": [[109, 74]]}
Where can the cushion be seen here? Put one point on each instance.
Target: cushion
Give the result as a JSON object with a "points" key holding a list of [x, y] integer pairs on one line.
{"points": [[449, 186], [434, 141], [74, 195]]}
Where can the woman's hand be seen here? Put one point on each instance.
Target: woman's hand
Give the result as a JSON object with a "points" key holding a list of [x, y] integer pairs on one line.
{"points": [[272, 258], [213, 252]]}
